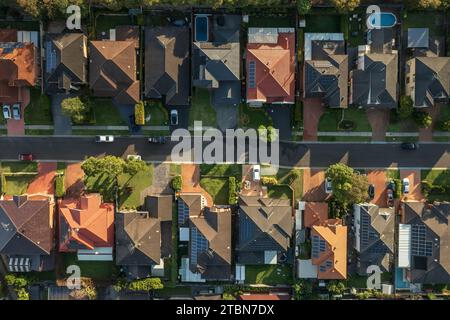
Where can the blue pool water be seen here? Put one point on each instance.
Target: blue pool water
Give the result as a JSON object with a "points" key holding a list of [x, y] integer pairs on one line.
{"points": [[382, 19], [201, 28]]}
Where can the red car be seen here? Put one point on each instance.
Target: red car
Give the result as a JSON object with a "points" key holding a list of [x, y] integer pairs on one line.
{"points": [[26, 157]]}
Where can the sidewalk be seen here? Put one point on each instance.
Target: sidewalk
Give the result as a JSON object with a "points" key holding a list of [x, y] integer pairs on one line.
{"points": [[369, 134], [51, 127]]}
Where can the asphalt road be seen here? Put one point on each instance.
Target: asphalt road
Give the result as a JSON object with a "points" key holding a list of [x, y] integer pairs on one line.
{"points": [[315, 155]]}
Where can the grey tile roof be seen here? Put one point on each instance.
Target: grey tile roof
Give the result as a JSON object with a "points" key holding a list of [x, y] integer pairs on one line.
{"points": [[167, 64], [418, 37]]}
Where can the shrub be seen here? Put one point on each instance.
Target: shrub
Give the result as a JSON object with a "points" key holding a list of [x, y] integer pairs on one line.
{"points": [[398, 188], [228, 296], [445, 125], [2, 183], [406, 107], [22, 294], [232, 190], [269, 181], [422, 119], [303, 6], [146, 284], [177, 183], [347, 125], [76, 109], [60, 188], [139, 113], [426, 187]]}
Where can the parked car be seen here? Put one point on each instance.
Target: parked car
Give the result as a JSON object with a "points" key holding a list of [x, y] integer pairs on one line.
{"points": [[256, 172], [406, 185], [104, 139], [328, 185], [134, 157], [16, 111], [159, 140], [390, 197], [174, 117], [26, 157], [371, 191], [6, 112], [391, 185], [409, 146]]}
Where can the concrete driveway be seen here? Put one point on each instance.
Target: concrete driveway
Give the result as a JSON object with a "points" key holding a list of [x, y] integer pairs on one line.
{"points": [[379, 179], [314, 186], [415, 192], [312, 111], [62, 124], [226, 116], [281, 116]]}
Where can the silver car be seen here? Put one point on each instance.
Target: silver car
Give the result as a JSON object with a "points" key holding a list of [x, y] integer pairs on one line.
{"points": [[16, 111], [6, 112], [406, 185]]}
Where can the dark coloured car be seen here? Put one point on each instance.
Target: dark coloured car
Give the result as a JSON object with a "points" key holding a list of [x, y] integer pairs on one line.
{"points": [[391, 185], [390, 198], [26, 157], [174, 117], [371, 191], [160, 140], [408, 146]]}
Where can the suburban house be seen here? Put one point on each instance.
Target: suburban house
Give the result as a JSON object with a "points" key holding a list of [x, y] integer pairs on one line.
{"points": [[65, 62], [167, 65], [18, 68], [427, 73], [26, 233], [374, 81], [265, 229], [86, 226], [423, 242], [216, 57], [326, 69], [143, 238], [113, 71], [374, 236], [208, 233], [270, 63], [328, 244]]}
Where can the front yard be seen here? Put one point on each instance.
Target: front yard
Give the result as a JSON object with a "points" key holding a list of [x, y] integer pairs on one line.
{"points": [[156, 114], [201, 109], [440, 179], [351, 119], [38, 112], [253, 117], [268, 274], [105, 113], [131, 187], [293, 178], [218, 188], [24, 174]]}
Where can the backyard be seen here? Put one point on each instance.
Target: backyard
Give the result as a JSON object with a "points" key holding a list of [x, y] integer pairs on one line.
{"points": [[268, 274], [434, 21], [201, 109], [103, 22], [38, 112], [272, 21], [355, 119], [96, 270], [323, 23], [440, 178]]}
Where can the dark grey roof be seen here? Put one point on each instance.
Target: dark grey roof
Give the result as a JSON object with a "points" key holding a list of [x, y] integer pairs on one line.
{"points": [[66, 61], [434, 268], [431, 80], [264, 224], [374, 83], [380, 40], [326, 74], [376, 237], [160, 206], [167, 64], [418, 37]]}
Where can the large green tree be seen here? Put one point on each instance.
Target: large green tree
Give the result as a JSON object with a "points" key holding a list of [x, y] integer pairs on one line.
{"points": [[349, 187], [76, 109], [133, 166], [406, 107], [345, 5]]}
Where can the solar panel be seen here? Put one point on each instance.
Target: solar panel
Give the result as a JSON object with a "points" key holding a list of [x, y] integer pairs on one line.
{"points": [[364, 233], [183, 212], [198, 244], [251, 74], [315, 247], [419, 245]]}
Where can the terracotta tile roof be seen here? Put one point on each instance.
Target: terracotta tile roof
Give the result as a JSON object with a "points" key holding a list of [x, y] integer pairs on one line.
{"points": [[316, 213], [89, 222], [274, 70], [335, 236], [8, 35], [112, 70]]}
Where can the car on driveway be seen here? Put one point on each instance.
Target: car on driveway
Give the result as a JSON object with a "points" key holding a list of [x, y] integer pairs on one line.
{"points": [[328, 185], [26, 157], [391, 185], [390, 197], [6, 112], [256, 172], [409, 146], [174, 117], [16, 111], [104, 139], [371, 191], [405, 185], [158, 140]]}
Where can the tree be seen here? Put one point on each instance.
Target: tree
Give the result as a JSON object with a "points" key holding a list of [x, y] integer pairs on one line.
{"points": [[345, 5], [425, 4], [336, 287], [134, 166], [406, 107], [146, 284], [76, 109], [303, 6], [177, 183], [348, 186], [445, 125], [422, 119], [268, 134], [91, 166], [302, 290], [112, 166]]}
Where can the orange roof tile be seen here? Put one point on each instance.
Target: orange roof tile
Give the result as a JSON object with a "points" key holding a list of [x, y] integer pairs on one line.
{"points": [[316, 213], [90, 222], [335, 236]]}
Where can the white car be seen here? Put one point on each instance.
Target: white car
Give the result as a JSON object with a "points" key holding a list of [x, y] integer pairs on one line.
{"points": [[328, 185], [256, 172], [6, 112], [104, 139], [134, 157], [405, 185]]}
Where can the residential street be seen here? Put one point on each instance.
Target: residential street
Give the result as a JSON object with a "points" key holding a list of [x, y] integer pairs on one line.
{"points": [[314, 155]]}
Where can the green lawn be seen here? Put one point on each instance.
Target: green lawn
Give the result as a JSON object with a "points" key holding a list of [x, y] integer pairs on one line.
{"points": [[39, 110], [131, 187], [331, 118], [221, 170], [393, 174], [218, 188], [323, 23], [268, 274], [437, 177], [356, 31], [360, 282], [272, 21], [433, 20], [106, 113], [397, 125], [18, 166], [16, 185], [279, 192], [201, 109], [97, 270], [105, 22], [102, 184], [344, 138], [253, 117], [156, 114], [285, 176]]}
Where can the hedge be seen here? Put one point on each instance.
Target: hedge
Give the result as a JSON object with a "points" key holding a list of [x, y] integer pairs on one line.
{"points": [[398, 188], [177, 183], [139, 113], [232, 190], [146, 284], [268, 181], [60, 189], [2, 183], [429, 188]]}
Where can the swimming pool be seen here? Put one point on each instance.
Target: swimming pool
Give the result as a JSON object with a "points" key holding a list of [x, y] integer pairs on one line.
{"points": [[201, 28], [382, 20]]}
